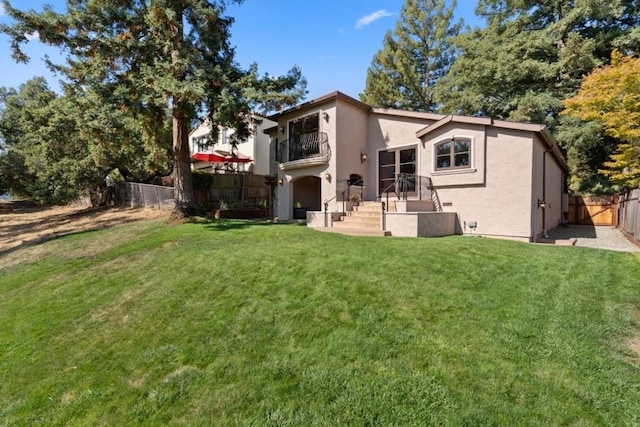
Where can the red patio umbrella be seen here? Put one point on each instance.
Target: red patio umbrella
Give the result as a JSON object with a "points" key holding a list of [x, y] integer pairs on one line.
{"points": [[209, 157]]}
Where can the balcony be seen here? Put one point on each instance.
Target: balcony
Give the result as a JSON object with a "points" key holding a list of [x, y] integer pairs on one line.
{"points": [[304, 150]]}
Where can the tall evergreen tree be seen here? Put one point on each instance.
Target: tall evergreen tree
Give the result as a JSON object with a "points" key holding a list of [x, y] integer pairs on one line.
{"points": [[418, 52], [140, 56], [531, 56]]}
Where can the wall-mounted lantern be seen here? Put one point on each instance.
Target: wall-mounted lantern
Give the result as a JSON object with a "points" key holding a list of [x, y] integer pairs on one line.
{"points": [[363, 157]]}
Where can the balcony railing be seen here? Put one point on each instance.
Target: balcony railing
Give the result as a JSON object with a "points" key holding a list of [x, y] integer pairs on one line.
{"points": [[305, 148]]}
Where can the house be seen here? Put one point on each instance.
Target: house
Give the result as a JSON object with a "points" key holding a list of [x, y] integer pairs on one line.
{"points": [[416, 174], [257, 148]]}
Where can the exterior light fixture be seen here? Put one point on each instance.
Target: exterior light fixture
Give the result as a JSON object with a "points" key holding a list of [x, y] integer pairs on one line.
{"points": [[363, 157], [542, 204], [327, 176], [282, 129], [280, 181], [326, 116]]}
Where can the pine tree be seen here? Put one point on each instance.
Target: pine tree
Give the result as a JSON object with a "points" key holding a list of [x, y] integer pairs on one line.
{"points": [[140, 57], [531, 56], [403, 73]]}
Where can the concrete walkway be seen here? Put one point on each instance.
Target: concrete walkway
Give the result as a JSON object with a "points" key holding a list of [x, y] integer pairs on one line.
{"points": [[601, 237]]}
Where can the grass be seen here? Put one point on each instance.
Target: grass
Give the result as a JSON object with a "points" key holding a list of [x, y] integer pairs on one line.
{"points": [[243, 323]]}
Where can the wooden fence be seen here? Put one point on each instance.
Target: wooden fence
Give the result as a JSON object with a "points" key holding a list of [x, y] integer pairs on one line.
{"points": [[629, 212], [596, 210]]}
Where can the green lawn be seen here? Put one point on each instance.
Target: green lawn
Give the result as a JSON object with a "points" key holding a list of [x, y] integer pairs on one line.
{"points": [[243, 323]]}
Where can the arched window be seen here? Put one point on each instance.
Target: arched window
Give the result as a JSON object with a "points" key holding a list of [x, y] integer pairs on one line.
{"points": [[453, 154]]}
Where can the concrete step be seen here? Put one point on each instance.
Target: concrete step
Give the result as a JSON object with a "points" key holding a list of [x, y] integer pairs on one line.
{"points": [[361, 219], [368, 207], [363, 225], [362, 214], [354, 231]]}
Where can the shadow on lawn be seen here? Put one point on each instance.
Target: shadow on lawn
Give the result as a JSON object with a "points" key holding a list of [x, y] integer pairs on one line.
{"points": [[240, 224]]}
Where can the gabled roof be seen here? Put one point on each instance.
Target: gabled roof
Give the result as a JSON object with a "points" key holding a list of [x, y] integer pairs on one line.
{"points": [[314, 103], [541, 130]]}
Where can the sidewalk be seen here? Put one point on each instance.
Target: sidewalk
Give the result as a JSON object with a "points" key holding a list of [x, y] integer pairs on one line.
{"points": [[601, 237]]}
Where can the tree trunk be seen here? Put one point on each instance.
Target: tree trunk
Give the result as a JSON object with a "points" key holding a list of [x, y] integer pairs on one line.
{"points": [[182, 179]]}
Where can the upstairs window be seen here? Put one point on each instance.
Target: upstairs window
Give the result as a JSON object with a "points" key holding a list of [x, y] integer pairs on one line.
{"points": [[453, 154]]}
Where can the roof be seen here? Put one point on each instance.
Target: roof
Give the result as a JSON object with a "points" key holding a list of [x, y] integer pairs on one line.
{"points": [[314, 103]]}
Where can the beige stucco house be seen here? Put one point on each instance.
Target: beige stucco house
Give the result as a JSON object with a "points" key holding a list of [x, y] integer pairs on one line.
{"points": [[257, 147], [418, 174]]}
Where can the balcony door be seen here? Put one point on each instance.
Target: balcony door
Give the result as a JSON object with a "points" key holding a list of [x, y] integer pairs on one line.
{"points": [[303, 137]]}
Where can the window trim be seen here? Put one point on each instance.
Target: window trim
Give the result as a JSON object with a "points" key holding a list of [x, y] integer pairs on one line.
{"points": [[471, 167]]}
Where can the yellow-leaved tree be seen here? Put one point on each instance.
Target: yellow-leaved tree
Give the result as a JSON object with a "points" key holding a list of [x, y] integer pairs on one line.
{"points": [[610, 95]]}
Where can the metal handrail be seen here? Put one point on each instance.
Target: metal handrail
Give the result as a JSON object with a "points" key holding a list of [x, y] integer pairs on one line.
{"points": [[407, 183]]}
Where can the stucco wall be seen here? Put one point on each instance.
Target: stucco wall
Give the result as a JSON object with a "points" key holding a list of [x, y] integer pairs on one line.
{"points": [[421, 224], [326, 173], [387, 131], [351, 142], [545, 162], [497, 194]]}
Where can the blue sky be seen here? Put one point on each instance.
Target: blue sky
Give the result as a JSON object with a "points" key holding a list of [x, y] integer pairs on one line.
{"points": [[332, 41]]}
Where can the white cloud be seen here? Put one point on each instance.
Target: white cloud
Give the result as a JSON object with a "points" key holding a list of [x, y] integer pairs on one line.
{"points": [[32, 36], [366, 20]]}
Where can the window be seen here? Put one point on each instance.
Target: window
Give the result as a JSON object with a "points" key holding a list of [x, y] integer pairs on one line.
{"points": [[199, 143], [453, 154], [394, 163], [223, 136]]}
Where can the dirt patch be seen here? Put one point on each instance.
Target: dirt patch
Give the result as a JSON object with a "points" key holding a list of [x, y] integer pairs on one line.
{"points": [[23, 223]]}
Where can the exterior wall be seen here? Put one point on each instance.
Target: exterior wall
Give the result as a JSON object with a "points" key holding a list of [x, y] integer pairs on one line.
{"points": [[327, 173], [384, 132], [547, 172], [496, 193], [351, 141], [262, 147], [421, 224]]}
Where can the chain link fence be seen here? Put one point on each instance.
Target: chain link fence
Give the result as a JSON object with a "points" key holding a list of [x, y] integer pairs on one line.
{"points": [[146, 195]]}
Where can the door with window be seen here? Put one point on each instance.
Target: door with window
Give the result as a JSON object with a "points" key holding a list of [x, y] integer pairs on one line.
{"points": [[397, 170]]}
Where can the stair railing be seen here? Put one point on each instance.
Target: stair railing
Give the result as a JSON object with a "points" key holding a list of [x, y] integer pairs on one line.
{"points": [[326, 211]]}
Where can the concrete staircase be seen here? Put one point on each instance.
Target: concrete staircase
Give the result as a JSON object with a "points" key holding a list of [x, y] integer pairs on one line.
{"points": [[364, 220]]}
